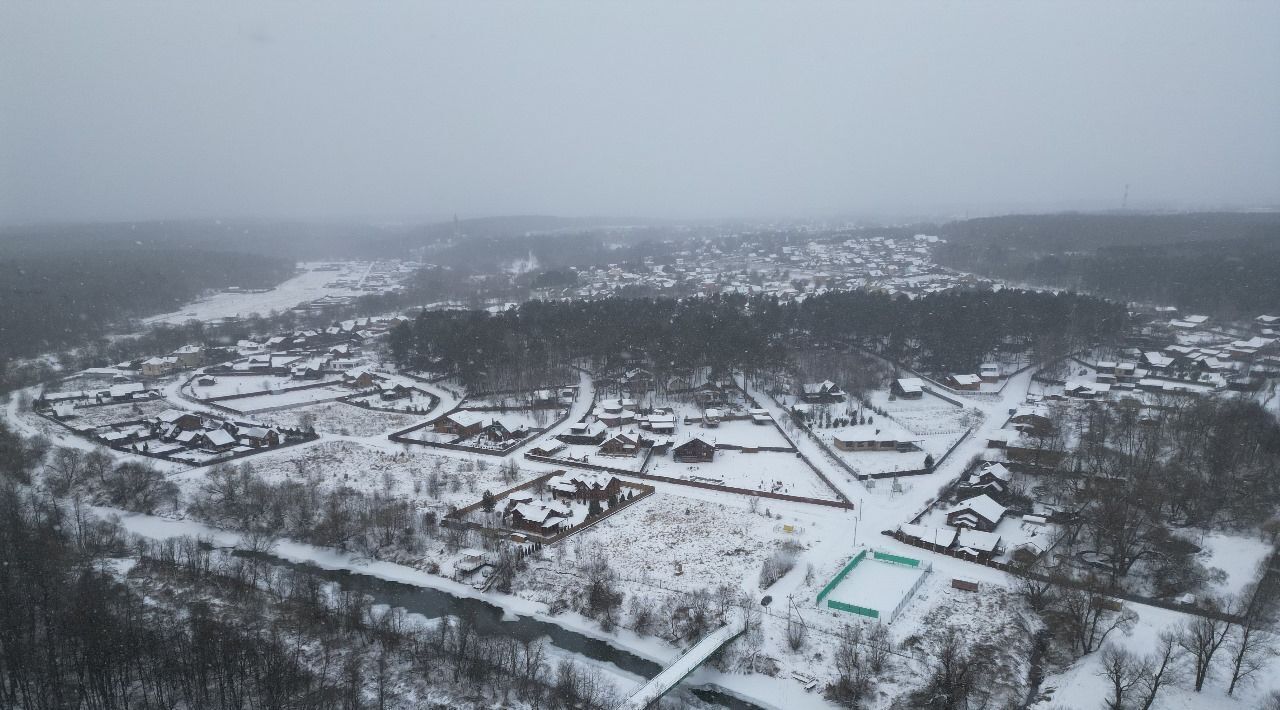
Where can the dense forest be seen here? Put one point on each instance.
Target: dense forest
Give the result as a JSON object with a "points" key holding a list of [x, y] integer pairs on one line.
{"points": [[1229, 278], [1222, 264], [952, 331], [57, 297]]}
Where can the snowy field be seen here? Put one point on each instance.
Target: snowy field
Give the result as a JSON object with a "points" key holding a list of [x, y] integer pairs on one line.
{"points": [[735, 433], [1236, 555], [225, 386], [306, 286], [111, 413], [341, 419], [405, 472], [922, 417], [285, 399], [591, 454], [416, 403], [679, 543], [876, 585], [771, 471], [1083, 686]]}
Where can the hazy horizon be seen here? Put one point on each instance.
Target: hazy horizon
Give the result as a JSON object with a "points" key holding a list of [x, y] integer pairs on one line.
{"points": [[410, 112]]}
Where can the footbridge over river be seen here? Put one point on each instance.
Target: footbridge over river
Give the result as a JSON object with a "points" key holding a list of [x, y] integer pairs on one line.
{"points": [[687, 663]]}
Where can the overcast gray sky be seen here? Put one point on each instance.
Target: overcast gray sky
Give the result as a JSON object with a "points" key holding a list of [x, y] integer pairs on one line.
{"points": [[132, 110]]}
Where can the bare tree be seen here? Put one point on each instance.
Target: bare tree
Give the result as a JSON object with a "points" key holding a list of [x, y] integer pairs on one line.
{"points": [[1089, 618], [853, 677], [1163, 668], [1201, 639], [1123, 671]]}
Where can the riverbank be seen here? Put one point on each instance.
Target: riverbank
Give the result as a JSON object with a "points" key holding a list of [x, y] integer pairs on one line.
{"points": [[757, 690]]}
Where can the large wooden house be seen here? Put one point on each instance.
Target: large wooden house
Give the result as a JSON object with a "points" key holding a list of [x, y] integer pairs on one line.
{"points": [[694, 450], [591, 433], [908, 387], [620, 445], [824, 392], [538, 517], [462, 423], [981, 512], [584, 486]]}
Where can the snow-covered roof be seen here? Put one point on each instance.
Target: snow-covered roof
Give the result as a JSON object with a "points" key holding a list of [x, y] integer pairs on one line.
{"points": [[977, 540], [466, 417], [911, 384], [539, 512], [937, 536], [220, 437], [998, 470], [985, 506], [170, 416], [127, 389], [966, 379]]}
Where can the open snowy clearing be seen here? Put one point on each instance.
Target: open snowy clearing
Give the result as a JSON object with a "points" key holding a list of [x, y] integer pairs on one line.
{"points": [[306, 286], [229, 385], [734, 433], [263, 402], [93, 417], [342, 419], [772, 471]]}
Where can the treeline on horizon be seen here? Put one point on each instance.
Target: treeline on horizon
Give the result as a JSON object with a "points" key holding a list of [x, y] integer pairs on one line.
{"points": [[54, 298], [947, 332], [1223, 264]]}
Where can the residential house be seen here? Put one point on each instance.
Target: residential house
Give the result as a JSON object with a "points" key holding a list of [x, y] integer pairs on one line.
{"points": [[993, 478], [620, 445], [590, 433], [1031, 420], [694, 450], [127, 392], [189, 356], [970, 383], [990, 372], [219, 440], [179, 419], [462, 423], [981, 512], [584, 486], [870, 437], [659, 422], [821, 392], [498, 433], [908, 387], [978, 544], [159, 366], [539, 518], [258, 437]]}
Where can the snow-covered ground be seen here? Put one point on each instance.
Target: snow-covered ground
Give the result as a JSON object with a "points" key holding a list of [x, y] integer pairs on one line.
{"points": [[772, 471], [342, 419], [1083, 686], [262, 402], [306, 286]]}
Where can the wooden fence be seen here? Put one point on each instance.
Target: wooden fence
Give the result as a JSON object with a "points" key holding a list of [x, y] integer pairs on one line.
{"points": [[1018, 571], [844, 504], [456, 518]]}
